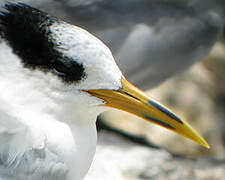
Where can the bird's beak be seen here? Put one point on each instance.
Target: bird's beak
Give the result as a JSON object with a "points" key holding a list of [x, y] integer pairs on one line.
{"points": [[133, 100]]}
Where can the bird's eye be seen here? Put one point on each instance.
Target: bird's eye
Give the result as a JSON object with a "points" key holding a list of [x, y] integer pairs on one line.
{"points": [[60, 68], [68, 69]]}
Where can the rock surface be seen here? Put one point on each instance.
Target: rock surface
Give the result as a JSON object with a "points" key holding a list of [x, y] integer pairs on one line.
{"points": [[119, 159]]}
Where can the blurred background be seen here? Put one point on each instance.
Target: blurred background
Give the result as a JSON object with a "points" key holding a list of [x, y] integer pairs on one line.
{"points": [[173, 49]]}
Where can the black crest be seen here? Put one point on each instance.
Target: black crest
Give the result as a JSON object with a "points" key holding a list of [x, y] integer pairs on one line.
{"points": [[26, 30]]}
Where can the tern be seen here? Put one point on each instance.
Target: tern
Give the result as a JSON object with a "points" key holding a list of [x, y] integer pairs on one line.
{"points": [[55, 79]]}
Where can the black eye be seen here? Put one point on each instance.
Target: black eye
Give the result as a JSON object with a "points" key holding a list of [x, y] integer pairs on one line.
{"points": [[69, 70], [59, 68]]}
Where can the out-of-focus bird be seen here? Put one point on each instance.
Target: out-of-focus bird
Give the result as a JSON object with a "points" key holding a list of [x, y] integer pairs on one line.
{"points": [[55, 79]]}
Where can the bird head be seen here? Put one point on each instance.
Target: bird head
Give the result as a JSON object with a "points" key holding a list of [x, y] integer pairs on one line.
{"points": [[49, 64]]}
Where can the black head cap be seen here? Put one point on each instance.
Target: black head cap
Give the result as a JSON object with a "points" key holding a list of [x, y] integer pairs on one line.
{"points": [[27, 31]]}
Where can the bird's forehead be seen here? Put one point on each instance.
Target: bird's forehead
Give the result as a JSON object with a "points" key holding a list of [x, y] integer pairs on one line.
{"points": [[93, 54], [81, 46], [72, 39]]}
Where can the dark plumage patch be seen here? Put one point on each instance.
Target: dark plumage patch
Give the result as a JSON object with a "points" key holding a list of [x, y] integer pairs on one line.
{"points": [[26, 30]]}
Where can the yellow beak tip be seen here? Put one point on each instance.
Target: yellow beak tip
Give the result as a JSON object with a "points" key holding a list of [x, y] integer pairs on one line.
{"points": [[203, 143], [206, 145]]}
